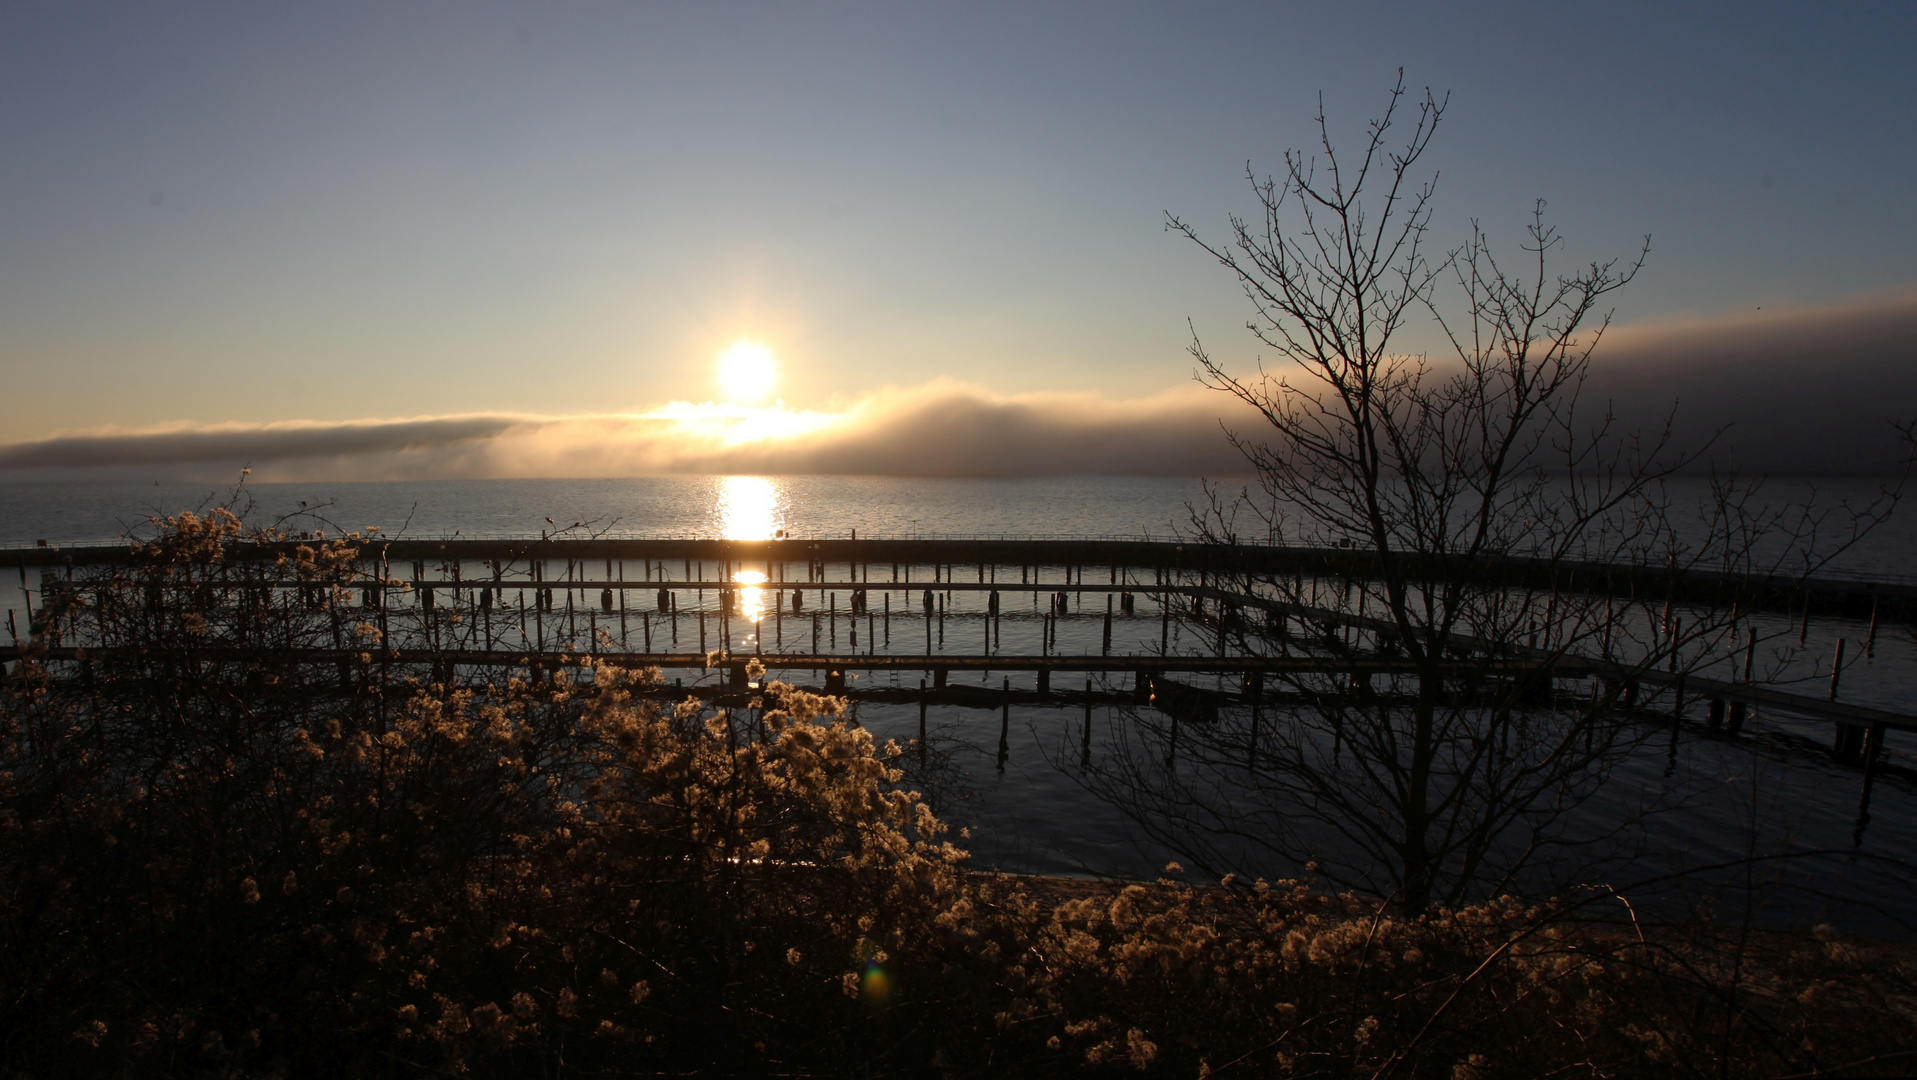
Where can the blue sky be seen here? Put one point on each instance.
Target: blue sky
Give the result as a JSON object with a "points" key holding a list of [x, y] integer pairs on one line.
{"points": [[251, 214]]}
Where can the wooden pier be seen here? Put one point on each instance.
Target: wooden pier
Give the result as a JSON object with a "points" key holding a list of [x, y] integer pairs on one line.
{"points": [[601, 588], [1828, 595]]}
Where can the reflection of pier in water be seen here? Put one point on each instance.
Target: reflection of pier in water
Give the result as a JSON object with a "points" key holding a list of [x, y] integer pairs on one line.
{"points": [[1152, 621]]}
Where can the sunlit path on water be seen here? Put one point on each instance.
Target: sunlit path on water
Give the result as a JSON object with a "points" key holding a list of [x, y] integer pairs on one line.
{"points": [[749, 509]]}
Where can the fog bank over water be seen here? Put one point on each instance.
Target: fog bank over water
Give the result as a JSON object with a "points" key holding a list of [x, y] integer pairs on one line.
{"points": [[1798, 392], [1803, 392], [944, 428]]}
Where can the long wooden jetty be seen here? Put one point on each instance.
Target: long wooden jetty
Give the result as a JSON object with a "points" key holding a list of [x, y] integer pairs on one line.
{"points": [[599, 569], [1827, 594]]}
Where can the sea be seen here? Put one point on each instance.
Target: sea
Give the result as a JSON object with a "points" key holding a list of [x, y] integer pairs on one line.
{"points": [[1774, 792]]}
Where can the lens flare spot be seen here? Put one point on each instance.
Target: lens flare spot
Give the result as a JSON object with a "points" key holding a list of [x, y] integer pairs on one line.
{"points": [[875, 987]]}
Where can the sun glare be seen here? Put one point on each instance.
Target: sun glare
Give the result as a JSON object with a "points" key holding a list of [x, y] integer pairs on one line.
{"points": [[747, 373], [748, 508]]}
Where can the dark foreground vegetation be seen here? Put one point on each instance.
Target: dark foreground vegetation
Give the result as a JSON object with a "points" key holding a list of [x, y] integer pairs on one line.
{"points": [[219, 859]]}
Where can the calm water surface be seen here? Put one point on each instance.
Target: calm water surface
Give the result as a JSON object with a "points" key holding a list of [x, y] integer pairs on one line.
{"points": [[1032, 816]]}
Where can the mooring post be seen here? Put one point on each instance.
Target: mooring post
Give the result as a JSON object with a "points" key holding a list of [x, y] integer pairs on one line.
{"points": [[1044, 681], [622, 600], [922, 703], [540, 599], [1850, 737], [1848, 743], [1106, 648], [1870, 643], [1085, 742], [1836, 668], [1873, 745], [1255, 683], [1005, 724], [1172, 709], [1677, 718]]}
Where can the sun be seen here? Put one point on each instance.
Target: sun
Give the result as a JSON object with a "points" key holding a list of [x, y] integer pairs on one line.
{"points": [[747, 373]]}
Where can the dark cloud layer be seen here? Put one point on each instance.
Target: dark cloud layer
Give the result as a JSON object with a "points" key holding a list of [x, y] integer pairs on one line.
{"points": [[1811, 392], [229, 444]]}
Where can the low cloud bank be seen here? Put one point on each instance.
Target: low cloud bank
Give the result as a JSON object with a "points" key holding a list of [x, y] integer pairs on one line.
{"points": [[942, 429], [1808, 392], [229, 443]]}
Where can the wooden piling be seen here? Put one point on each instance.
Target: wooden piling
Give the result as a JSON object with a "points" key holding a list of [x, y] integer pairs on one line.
{"points": [[1848, 743], [1005, 723], [1085, 740], [1870, 643], [1873, 747], [1677, 721], [1255, 690]]}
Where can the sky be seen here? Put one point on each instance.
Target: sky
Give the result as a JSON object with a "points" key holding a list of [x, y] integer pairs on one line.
{"points": [[385, 240]]}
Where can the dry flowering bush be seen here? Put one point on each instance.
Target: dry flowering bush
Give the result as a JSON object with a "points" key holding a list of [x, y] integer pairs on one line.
{"points": [[219, 856], [1276, 979], [216, 852]]}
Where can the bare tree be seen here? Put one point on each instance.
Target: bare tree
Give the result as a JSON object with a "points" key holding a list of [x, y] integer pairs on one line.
{"points": [[1487, 535]]}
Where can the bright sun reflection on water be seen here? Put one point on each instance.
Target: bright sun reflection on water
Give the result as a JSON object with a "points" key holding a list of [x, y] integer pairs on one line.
{"points": [[748, 508], [751, 598]]}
